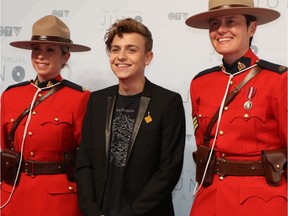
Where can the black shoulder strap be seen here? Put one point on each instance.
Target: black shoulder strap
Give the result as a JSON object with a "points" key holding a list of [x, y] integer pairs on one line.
{"points": [[254, 71], [26, 111]]}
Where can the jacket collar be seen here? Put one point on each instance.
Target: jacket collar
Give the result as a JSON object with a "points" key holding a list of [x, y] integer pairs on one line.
{"points": [[48, 83], [244, 62], [147, 91]]}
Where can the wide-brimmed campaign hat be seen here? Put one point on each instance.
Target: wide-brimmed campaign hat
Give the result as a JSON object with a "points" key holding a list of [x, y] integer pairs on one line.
{"points": [[231, 7], [50, 29]]}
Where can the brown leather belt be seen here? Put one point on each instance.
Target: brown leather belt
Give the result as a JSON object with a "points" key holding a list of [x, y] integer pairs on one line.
{"points": [[238, 168], [32, 168]]}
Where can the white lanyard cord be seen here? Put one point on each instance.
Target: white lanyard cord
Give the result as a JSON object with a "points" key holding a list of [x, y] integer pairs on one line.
{"points": [[197, 187], [22, 147]]}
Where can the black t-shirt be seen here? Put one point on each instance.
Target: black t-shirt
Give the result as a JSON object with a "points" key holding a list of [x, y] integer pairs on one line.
{"points": [[122, 125]]}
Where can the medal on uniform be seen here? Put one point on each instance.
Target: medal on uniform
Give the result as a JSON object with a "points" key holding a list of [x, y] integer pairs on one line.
{"points": [[250, 94]]}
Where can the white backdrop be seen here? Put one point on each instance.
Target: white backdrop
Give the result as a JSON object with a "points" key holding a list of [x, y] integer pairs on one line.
{"points": [[180, 52]]}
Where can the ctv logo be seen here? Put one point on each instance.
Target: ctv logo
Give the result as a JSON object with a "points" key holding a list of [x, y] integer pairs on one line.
{"points": [[9, 31], [178, 16], [60, 13]]}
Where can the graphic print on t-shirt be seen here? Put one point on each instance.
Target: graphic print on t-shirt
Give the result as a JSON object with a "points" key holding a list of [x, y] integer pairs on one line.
{"points": [[121, 134]]}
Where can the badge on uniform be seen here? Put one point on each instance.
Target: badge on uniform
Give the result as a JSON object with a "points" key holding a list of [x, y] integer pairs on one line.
{"points": [[250, 94], [148, 118]]}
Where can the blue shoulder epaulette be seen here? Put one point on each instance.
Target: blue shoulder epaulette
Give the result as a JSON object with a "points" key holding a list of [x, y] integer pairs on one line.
{"points": [[271, 66], [204, 72], [19, 84], [73, 85]]}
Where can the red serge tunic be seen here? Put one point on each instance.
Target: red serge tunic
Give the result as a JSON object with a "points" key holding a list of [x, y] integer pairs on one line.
{"points": [[242, 135], [55, 127]]}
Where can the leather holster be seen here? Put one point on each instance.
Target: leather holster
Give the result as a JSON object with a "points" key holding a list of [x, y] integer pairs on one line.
{"points": [[274, 164], [200, 157], [70, 164], [9, 166]]}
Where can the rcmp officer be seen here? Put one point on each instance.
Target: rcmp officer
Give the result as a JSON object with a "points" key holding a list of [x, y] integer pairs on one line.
{"points": [[240, 118], [41, 128]]}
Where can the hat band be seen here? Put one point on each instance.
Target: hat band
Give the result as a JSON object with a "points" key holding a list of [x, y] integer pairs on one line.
{"points": [[227, 6], [51, 38]]}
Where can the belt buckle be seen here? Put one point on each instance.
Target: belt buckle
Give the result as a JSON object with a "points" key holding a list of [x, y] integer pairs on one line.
{"points": [[29, 167]]}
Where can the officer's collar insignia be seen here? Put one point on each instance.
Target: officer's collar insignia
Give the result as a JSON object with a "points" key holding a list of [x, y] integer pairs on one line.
{"points": [[241, 66], [236, 66], [49, 83], [282, 68]]}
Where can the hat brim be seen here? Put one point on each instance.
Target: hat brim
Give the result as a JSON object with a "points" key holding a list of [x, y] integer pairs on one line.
{"points": [[28, 45], [263, 15]]}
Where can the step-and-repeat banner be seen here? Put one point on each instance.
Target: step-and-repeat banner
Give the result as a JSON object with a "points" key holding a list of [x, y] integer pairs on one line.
{"points": [[180, 52]]}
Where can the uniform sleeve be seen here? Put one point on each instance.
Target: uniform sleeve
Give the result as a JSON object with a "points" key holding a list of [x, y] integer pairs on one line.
{"points": [[79, 113], [281, 108], [4, 128], [195, 113]]}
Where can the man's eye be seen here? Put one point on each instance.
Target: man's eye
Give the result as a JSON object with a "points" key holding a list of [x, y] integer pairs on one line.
{"points": [[114, 50], [131, 50]]}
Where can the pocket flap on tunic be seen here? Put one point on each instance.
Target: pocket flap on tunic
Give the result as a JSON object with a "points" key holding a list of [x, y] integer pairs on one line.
{"points": [[62, 187], [264, 192], [56, 118]]}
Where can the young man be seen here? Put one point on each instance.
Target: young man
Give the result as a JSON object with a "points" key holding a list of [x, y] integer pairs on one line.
{"points": [[249, 132], [131, 152]]}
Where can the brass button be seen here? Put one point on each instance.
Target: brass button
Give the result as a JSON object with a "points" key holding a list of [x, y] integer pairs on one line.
{"points": [[231, 82], [56, 119], [32, 154], [34, 113], [277, 166], [223, 155], [39, 95], [200, 115], [12, 120], [71, 188], [221, 178], [226, 108], [30, 133], [221, 132], [246, 115]]}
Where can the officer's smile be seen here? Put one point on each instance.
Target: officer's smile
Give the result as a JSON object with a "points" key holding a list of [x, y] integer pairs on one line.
{"points": [[224, 39]]}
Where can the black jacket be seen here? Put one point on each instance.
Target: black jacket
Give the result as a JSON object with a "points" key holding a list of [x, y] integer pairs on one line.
{"points": [[155, 156]]}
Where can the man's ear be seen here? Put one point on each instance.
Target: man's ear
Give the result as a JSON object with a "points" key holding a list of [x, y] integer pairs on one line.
{"points": [[149, 57]]}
